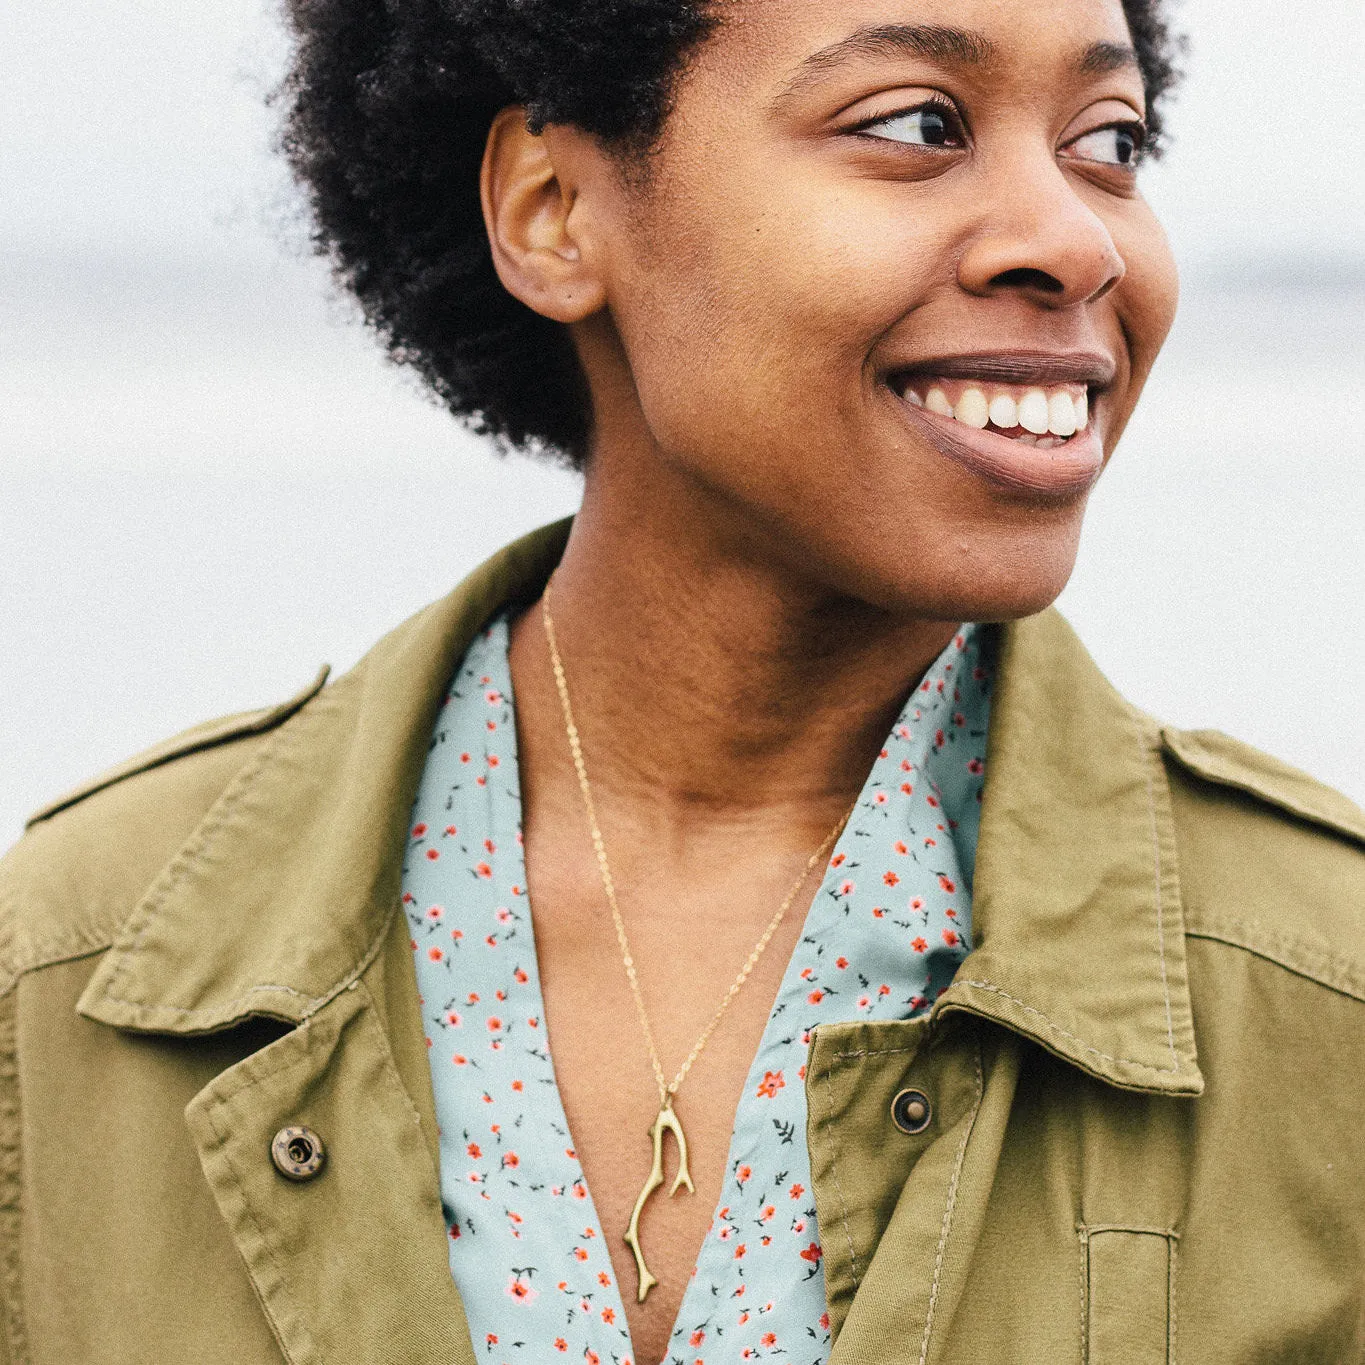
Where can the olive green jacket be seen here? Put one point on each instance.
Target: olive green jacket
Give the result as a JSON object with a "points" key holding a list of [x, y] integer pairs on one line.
{"points": [[1148, 1133]]}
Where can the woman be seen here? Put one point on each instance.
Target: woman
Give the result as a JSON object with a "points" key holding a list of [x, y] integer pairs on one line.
{"points": [[913, 997]]}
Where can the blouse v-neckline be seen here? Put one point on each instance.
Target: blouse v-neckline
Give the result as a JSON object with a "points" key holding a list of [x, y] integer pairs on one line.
{"points": [[883, 936]]}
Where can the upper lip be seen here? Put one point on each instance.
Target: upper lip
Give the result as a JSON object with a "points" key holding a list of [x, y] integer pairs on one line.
{"points": [[1092, 368]]}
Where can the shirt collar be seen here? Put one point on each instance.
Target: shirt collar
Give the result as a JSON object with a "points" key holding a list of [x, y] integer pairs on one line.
{"points": [[287, 890]]}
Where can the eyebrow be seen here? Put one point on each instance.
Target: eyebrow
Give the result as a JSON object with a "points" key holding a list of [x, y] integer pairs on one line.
{"points": [[937, 43]]}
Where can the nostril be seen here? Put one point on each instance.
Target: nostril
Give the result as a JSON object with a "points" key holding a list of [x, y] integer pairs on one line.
{"points": [[1025, 277]]}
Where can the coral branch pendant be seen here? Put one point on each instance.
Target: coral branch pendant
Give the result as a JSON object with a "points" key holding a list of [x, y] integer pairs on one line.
{"points": [[667, 1121]]}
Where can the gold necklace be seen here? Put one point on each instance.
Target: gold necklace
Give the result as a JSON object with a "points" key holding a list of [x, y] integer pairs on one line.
{"points": [[667, 1119]]}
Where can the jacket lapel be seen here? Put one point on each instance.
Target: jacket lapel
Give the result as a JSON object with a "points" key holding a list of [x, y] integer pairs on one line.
{"points": [[284, 904]]}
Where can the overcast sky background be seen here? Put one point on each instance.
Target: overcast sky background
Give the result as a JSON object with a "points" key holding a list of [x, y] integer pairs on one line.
{"points": [[210, 481]]}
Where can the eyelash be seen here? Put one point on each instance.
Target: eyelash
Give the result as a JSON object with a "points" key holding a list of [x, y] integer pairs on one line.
{"points": [[941, 104]]}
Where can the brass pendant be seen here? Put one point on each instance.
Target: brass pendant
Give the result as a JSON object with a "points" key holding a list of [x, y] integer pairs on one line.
{"points": [[667, 1121]]}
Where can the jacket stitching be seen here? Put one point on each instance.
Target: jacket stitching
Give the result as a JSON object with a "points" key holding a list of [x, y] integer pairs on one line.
{"points": [[1282, 952], [834, 1172], [948, 1211], [280, 1287], [1173, 1250], [1160, 910], [1062, 1033]]}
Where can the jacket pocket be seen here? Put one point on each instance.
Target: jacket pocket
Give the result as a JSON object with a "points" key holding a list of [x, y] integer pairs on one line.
{"points": [[1129, 1316]]}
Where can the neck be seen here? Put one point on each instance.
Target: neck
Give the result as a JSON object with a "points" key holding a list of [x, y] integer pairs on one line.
{"points": [[712, 684]]}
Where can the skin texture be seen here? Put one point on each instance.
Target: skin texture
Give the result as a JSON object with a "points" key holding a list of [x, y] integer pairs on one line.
{"points": [[771, 551]]}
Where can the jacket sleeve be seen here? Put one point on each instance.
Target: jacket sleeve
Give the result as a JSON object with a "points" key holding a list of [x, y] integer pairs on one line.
{"points": [[11, 1186]]}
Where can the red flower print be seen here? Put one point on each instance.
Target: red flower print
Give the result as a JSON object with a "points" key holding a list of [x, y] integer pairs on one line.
{"points": [[492, 696], [890, 878], [976, 767], [878, 912], [950, 912], [518, 1087], [824, 1321], [772, 1082], [436, 954], [919, 945], [838, 860], [883, 990], [950, 938], [797, 1191], [768, 1211], [812, 1253], [885, 753], [907, 789], [418, 831], [435, 913], [561, 1344], [450, 829], [520, 976], [696, 1338], [743, 1174], [464, 758], [474, 1151], [590, 1355], [483, 871], [901, 847], [931, 801], [768, 1339], [939, 736], [457, 934], [864, 1002], [604, 1279], [473, 998], [489, 847], [491, 1339], [579, 1191], [580, 1253], [917, 903], [520, 1290], [460, 1059], [740, 1251], [847, 888], [841, 963], [510, 1161], [880, 799], [947, 883], [931, 843], [815, 997], [807, 973], [609, 1315], [433, 854], [493, 759], [494, 1023], [959, 719]]}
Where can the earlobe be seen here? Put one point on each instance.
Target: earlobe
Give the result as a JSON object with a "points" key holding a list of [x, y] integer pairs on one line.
{"points": [[536, 236]]}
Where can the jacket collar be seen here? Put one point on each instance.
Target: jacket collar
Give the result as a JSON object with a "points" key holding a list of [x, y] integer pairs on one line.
{"points": [[284, 894]]}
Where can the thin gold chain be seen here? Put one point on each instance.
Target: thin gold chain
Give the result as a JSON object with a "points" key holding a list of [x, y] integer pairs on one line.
{"points": [[666, 1088]]}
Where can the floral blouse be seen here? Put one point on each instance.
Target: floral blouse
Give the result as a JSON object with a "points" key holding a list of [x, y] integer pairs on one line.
{"points": [[883, 936]]}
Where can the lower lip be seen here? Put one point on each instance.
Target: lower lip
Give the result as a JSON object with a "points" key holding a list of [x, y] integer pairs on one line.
{"points": [[1055, 472]]}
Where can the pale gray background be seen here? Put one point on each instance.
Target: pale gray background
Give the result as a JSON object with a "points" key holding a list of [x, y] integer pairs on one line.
{"points": [[210, 481]]}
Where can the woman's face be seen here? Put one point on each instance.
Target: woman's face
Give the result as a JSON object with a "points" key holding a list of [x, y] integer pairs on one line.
{"points": [[893, 254]]}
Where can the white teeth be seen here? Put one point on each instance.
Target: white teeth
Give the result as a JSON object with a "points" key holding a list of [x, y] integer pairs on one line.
{"points": [[913, 399], [1061, 414], [1027, 440], [1033, 412], [1083, 411], [972, 410], [1004, 412], [937, 401]]}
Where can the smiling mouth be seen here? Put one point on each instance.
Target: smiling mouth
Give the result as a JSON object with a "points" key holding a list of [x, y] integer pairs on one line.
{"points": [[1033, 415], [1025, 424]]}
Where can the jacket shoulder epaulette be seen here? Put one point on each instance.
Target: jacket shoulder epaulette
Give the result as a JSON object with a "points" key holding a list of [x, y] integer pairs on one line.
{"points": [[204, 736], [1227, 762]]}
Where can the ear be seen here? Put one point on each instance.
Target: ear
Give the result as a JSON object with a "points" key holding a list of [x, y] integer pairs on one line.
{"points": [[542, 249]]}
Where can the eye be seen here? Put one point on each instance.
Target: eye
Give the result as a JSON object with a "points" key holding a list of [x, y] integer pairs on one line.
{"points": [[933, 124], [1121, 144]]}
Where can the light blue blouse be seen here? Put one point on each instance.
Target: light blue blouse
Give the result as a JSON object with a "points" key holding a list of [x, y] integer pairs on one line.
{"points": [[883, 936]]}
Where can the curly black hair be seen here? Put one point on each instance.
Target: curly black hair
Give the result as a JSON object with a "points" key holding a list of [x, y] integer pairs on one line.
{"points": [[388, 105]]}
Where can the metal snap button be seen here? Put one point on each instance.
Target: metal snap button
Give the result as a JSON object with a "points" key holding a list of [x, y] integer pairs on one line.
{"points": [[911, 1111], [298, 1153]]}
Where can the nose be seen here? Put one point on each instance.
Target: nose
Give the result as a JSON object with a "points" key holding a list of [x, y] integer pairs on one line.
{"points": [[1039, 239]]}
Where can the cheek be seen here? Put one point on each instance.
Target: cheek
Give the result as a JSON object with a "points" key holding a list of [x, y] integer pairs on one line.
{"points": [[1150, 290], [757, 317]]}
